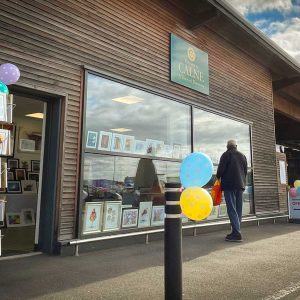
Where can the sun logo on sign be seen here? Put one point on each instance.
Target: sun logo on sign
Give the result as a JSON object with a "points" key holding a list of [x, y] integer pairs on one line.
{"points": [[191, 54]]}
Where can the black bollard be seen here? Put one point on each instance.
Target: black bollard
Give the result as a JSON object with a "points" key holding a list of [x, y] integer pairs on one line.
{"points": [[173, 243]]}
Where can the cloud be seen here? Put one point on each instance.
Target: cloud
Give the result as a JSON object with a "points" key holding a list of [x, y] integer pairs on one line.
{"points": [[257, 6]]}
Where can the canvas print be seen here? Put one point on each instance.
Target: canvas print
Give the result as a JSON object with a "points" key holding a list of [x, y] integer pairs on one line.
{"points": [[27, 215], [129, 217], [93, 217], [158, 215], [128, 144], [26, 145], [13, 220], [140, 147], [105, 141], [29, 186], [29, 140], [145, 214], [10, 175], [4, 142], [112, 215], [117, 142], [91, 139]]}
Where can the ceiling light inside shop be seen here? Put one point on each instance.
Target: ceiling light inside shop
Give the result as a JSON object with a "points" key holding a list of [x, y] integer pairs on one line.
{"points": [[128, 99], [36, 115], [121, 129]]}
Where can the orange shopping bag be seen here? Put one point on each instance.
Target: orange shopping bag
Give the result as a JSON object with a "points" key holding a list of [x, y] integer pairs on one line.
{"points": [[216, 193]]}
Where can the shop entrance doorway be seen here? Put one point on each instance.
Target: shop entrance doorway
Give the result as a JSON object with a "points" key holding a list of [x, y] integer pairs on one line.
{"points": [[31, 175]]}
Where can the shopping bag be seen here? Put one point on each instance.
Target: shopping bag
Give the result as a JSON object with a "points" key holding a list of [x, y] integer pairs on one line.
{"points": [[216, 193]]}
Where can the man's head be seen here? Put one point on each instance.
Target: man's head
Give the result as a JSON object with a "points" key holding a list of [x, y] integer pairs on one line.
{"points": [[231, 144]]}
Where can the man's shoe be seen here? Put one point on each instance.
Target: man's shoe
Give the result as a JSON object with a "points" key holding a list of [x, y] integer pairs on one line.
{"points": [[234, 238], [229, 235]]}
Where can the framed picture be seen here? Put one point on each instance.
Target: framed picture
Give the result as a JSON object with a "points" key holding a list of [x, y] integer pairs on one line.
{"points": [[92, 218], [155, 147], [3, 107], [105, 140], [27, 215], [14, 187], [145, 214], [26, 145], [112, 215], [29, 186], [91, 139], [29, 140], [158, 215], [117, 142], [35, 166], [140, 147], [168, 151], [128, 144], [14, 219], [222, 210], [129, 217], [176, 151], [10, 175], [5, 142], [12, 163], [33, 176], [20, 174]]}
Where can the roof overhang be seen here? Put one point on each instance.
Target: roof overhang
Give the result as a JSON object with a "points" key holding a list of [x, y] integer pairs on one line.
{"points": [[223, 19]]}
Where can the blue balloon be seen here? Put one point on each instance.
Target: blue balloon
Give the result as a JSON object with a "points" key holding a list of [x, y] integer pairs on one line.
{"points": [[196, 170], [3, 88], [298, 189]]}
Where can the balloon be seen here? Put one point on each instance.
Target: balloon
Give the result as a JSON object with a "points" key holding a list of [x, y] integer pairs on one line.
{"points": [[3, 88], [196, 170], [296, 183], [293, 192], [9, 73], [196, 203], [298, 190]]}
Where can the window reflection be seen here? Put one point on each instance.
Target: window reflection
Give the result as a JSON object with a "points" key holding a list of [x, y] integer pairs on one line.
{"points": [[121, 118], [211, 133]]}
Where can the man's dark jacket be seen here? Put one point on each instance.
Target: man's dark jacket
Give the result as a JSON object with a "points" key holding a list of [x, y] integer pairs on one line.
{"points": [[232, 170]]}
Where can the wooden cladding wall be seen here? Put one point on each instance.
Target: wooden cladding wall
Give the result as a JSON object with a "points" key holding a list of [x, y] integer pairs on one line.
{"points": [[50, 41], [282, 188]]}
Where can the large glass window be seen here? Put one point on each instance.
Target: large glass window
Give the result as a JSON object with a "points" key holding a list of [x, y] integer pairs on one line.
{"points": [[133, 144], [123, 119]]}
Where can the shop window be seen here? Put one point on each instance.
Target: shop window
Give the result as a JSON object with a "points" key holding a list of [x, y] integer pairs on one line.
{"points": [[211, 133]]}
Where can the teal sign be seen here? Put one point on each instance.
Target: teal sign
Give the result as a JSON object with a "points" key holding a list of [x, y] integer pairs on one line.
{"points": [[189, 65]]}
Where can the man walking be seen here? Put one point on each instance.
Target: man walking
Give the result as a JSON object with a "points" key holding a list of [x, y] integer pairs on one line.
{"points": [[232, 171]]}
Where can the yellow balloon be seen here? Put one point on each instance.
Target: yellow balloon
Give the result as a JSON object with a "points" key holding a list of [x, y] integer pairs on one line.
{"points": [[196, 203], [296, 183]]}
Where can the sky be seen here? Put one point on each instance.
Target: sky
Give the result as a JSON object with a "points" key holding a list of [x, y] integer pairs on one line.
{"points": [[278, 19]]}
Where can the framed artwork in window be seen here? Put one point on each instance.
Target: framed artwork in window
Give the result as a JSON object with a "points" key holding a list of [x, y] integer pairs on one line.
{"points": [[33, 176], [112, 215], [92, 218], [3, 107], [176, 151], [128, 144], [27, 215], [26, 145], [140, 147], [12, 163], [117, 142], [10, 175], [35, 166], [14, 219], [158, 215], [129, 217], [105, 140], [91, 139], [145, 214], [222, 210]]}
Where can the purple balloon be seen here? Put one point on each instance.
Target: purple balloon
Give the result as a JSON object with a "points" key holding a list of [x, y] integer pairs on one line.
{"points": [[9, 74], [293, 192]]}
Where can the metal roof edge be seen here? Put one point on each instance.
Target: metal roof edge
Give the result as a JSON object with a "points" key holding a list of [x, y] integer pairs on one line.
{"points": [[230, 12]]}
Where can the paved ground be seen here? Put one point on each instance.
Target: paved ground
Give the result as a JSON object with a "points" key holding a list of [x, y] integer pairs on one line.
{"points": [[265, 266]]}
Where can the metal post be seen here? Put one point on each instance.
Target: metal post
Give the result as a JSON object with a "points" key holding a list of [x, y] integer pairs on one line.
{"points": [[173, 243]]}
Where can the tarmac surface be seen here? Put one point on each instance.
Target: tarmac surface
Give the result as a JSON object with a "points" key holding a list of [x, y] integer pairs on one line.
{"points": [[265, 266]]}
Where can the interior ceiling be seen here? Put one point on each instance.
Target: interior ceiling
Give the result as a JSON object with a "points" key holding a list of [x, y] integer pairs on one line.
{"points": [[24, 106], [287, 131]]}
